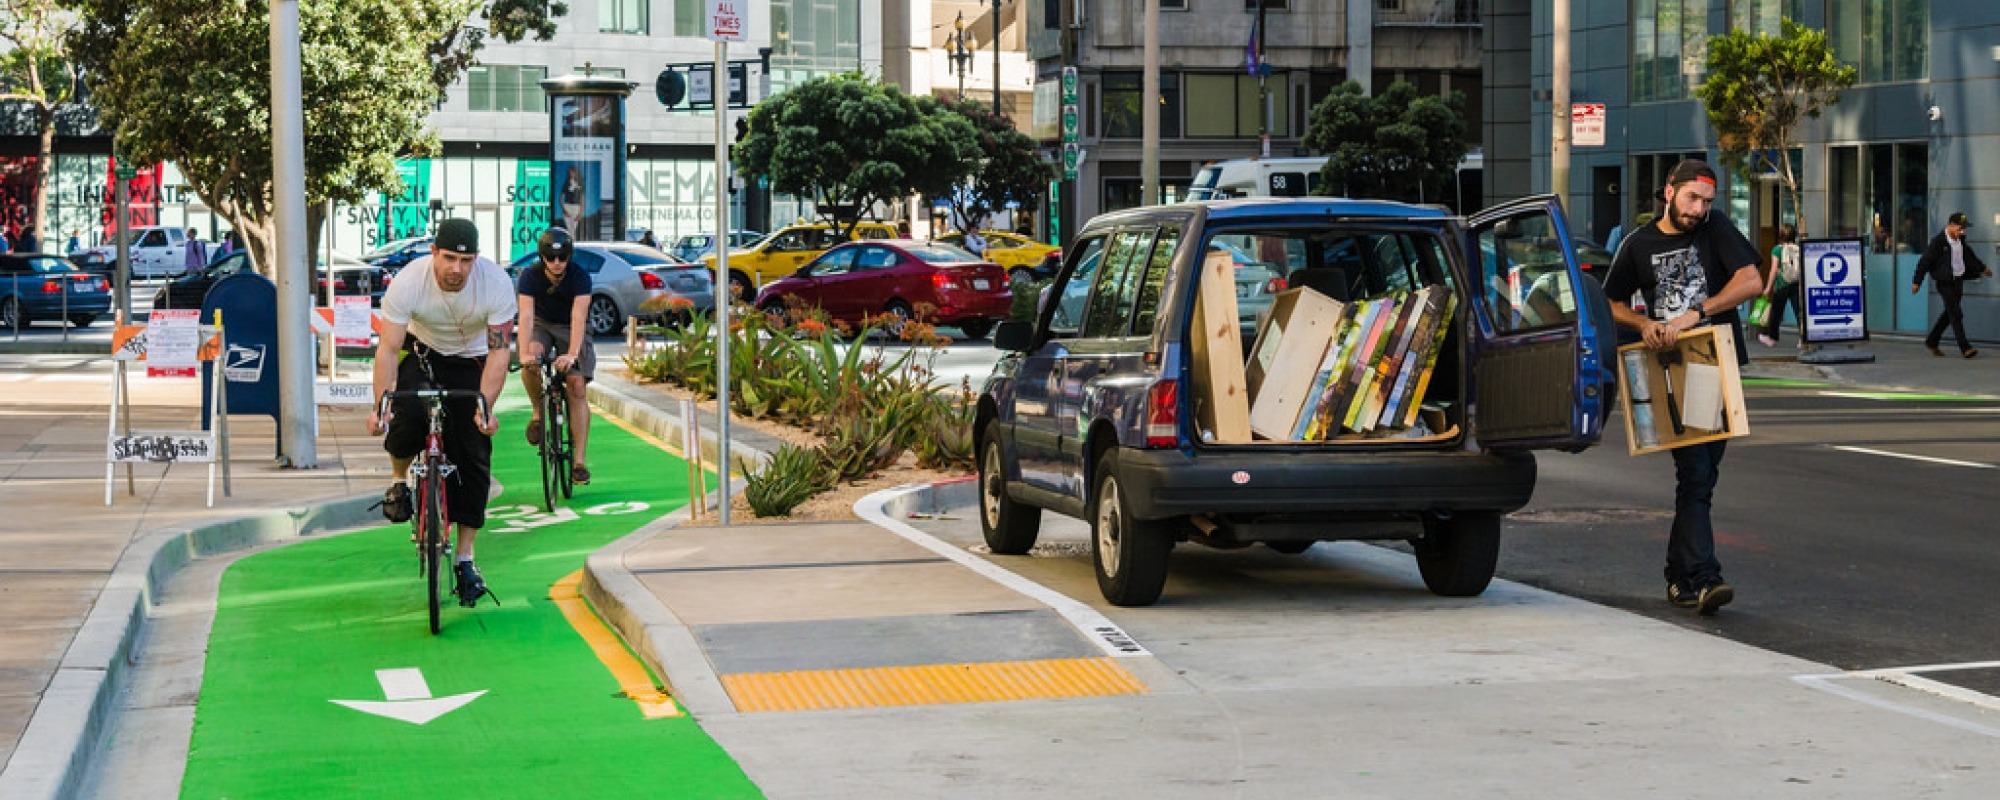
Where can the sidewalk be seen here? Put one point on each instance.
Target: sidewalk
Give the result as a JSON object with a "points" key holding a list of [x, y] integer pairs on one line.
{"points": [[832, 608]]}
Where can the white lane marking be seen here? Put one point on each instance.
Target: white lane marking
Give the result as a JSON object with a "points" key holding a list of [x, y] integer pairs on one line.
{"points": [[1908, 678], [1825, 683], [1094, 626], [407, 697], [1945, 461], [403, 684]]}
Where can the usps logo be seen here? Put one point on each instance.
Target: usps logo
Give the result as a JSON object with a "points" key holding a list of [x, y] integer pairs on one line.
{"points": [[243, 364]]}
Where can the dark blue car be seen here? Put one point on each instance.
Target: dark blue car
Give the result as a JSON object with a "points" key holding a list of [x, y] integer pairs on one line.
{"points": [[44, 287]]}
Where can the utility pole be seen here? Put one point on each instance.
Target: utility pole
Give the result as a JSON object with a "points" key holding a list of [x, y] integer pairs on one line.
{"points": [[996, 58], [297, 446], [1149, 110], [1559, 104]]}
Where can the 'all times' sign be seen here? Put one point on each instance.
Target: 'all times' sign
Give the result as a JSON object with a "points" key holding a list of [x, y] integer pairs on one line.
{"points": [[727, 20]]}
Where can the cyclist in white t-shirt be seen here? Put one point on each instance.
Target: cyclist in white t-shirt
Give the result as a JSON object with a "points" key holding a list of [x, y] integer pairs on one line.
{"points": [[453, 310]]}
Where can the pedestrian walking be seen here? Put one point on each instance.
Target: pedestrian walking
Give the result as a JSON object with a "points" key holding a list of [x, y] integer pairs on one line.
{"points": [[1783, 287], [196, 255], [1949, 263], [75, 242], [1694, 268]]}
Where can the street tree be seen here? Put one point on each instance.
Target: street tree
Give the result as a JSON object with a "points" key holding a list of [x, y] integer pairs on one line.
{"points": [[1007, 169], [852, 143], [36, 71], [189, 81], [1398, 145], [1760, 88]]}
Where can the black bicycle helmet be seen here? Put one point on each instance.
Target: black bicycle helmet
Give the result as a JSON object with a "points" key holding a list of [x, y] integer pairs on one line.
{"points": [[554, 244]]}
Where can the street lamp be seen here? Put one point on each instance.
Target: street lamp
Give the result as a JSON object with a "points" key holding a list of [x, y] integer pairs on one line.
{"points": [[961, 56]]}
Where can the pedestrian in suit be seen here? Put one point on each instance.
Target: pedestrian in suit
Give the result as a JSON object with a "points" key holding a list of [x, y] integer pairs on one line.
{"points": [[1949, 262]]}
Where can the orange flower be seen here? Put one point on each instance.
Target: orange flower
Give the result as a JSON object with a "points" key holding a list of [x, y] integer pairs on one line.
{"points": [[678, 302], [811, 327]]}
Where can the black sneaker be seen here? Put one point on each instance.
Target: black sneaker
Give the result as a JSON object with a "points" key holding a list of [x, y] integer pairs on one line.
{"points": [[1713, 597], [469, 585], [1681, 595], [396, 503]]}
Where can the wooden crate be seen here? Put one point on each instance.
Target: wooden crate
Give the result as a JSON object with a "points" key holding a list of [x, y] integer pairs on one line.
{"points": [[1221, 389], [1711, 350], [1289, 346]]}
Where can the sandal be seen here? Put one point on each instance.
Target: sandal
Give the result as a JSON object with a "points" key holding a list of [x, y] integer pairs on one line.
{"points": [[579, 474], [535, 432]]}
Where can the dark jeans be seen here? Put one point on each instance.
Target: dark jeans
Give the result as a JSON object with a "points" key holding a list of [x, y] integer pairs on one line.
{"points": [[1950, 291], [1691, 545], [1781, 297]]}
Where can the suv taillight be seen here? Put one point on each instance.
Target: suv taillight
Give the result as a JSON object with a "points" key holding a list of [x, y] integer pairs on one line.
{"points": [[1163, 415], [1274, 286]]}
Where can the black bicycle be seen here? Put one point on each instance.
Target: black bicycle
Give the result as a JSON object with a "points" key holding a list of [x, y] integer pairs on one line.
{"points": [[431, 468], [557, 445]]}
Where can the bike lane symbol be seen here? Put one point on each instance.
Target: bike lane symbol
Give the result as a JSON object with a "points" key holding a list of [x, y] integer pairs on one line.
{"points": [[407, 697]]}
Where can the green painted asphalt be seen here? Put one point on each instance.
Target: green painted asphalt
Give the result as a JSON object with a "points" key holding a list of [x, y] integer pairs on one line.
{"points": [[301, 626]]}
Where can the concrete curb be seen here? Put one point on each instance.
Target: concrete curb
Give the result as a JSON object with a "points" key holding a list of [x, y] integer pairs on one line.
{"points": [[667, 425], [658, 637], [40, 348], [69, 723]]}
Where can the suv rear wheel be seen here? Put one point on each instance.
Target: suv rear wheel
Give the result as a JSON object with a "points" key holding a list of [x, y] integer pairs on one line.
{"points": [[1129, 554], [1458, 553], [1011, 528]]}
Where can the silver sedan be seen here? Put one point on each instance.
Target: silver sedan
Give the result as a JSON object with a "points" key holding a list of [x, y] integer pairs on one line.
{"points": [[633, 280]]}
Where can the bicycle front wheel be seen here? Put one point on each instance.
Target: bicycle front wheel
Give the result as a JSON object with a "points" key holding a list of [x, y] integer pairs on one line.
{"points": [[552, 438], [432, 522], [565, 446]]}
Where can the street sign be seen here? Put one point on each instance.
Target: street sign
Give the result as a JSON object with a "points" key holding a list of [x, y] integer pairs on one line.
{"points": [[728, 20], [1069, 123], [1072, 158], [125, 171], [1069, 86], [1836, 308], [1586, 124]]}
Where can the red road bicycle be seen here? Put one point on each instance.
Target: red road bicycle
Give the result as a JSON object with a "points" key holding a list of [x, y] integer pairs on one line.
{"points": [[431, 468]]}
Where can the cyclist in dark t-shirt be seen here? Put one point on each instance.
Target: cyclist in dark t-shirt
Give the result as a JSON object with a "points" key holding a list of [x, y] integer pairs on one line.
{"points": [[555, 307]]}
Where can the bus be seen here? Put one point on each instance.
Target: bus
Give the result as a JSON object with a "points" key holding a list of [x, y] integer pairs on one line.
{"points": [[1300, 177]]}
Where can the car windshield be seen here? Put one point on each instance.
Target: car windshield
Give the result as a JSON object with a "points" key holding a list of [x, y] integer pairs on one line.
{"points": [[646, 257], [941, 254], [48, 264]]}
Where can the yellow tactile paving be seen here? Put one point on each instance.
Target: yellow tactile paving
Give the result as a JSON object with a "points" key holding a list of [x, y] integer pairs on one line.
{"points": [[930, 684]]}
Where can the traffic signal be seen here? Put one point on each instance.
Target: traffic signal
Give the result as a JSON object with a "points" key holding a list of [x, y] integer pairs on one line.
{"points": [[742, 128]]}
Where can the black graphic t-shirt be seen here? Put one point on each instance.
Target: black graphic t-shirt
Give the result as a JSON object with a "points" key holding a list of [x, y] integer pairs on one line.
{"points": [[1676, 272], [553, 302]]}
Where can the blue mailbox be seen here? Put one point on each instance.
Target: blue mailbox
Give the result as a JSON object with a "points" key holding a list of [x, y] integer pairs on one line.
{"points": [[249, 359]]}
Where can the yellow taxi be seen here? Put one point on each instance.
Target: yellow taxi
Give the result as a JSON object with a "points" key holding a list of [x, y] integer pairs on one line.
{"points": [[785, 250], [1018, 254]]}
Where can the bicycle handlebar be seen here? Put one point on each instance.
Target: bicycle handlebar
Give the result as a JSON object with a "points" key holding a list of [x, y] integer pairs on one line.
{"points": [[430, 394]]}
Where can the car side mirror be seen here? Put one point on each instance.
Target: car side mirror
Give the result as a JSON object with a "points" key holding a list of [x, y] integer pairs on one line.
{"points": [[1014, 336]]}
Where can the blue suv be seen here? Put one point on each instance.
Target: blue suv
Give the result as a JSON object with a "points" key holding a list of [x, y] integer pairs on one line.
{"points": [[1092, 413]]}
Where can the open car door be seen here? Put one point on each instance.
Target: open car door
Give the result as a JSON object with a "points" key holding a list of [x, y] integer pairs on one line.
{"points": [[1542, 331]]}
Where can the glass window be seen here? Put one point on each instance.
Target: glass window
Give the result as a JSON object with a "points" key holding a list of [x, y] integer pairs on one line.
{"points": [[1887, 39], [1669, 48], [690, 17], [1762, 16], [1155, 280], [1121, 106], [1210, 93], [838, 262], [1525, 277], [1110, 310], [1067, 318], [506, 87], [875, 258], [622, 16], [589, 261]]}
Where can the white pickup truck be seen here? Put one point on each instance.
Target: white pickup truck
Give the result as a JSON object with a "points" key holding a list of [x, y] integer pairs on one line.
{"points": [[156, 252]]}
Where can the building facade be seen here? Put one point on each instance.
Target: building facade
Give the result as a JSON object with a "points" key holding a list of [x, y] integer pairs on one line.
{"points": [[1901, 151]]}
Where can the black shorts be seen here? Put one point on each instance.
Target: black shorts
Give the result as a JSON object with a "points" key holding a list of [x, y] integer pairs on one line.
{"points": [[469, 449]]}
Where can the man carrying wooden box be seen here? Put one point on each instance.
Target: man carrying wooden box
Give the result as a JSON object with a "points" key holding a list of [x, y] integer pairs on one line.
{"points": [[1694, 268]]}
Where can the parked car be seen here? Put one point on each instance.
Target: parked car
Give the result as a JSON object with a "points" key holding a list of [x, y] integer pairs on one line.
{"points": [[350, 276], [397, 254], [783, 252], [1018, 254], [38, 286], [693, 246], [1592, 256], [625, 276], [156, 252], [1093, 412], [860, 279]]}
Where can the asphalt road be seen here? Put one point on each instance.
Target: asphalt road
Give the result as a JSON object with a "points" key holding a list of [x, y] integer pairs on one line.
{"points": [[1862, 558]]}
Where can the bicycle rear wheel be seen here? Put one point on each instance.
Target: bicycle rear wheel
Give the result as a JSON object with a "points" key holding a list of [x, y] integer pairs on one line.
{"points": [[433, 521], [551, 449]]}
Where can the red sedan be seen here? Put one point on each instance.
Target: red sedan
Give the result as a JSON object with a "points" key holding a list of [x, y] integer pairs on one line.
{"points": [[859, 279]]}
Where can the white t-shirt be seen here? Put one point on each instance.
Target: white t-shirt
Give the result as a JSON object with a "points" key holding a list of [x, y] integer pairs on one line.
{"points": [[453, 323], [1957, 257]]}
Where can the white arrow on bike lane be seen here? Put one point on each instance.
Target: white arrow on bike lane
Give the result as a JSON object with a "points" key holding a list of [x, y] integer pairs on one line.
{"points": [[408, 698]]}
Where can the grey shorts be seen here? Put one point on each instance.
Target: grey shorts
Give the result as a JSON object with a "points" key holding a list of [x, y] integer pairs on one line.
{"points": [[555, 339]]}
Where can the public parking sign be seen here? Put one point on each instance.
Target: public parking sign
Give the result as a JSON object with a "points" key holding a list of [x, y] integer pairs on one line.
{"points": [[1834, 292]]}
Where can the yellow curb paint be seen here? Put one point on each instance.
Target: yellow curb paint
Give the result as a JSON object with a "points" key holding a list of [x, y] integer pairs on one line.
{"points": [[930, 684], [631, 675]]}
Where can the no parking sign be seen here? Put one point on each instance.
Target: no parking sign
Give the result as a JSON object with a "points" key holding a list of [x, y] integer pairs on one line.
{"points": [[1833, 292]]}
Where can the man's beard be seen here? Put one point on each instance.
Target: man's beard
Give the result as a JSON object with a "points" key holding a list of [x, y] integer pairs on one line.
{"points": [[1687, 222]]}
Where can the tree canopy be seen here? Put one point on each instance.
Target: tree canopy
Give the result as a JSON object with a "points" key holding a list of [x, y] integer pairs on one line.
{"points": [[1397, 145], [36, 72], [850, 143], [1760, 88], [189, 81], [1008, 167]]}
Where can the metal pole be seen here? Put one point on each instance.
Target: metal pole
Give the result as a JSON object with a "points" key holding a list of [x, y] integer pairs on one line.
{"points": [[725, 295], [1149, 110], [296, 445], [996, 58], [121, 230], [1559, 105]]}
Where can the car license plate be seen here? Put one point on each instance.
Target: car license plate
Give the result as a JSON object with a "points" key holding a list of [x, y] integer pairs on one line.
{"points": [[981, 284], [1244, 289]]}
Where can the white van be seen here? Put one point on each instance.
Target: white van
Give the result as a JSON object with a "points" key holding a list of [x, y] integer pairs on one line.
{"points": [[1300, 176]]}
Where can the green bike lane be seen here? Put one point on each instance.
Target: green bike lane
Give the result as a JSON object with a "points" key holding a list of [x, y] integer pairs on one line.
{"points": [[532, 711]]}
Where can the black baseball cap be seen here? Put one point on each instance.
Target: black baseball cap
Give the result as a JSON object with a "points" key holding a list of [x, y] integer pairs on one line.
{"points": [[1693, 169], [458, 235], [1958, 219]]}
